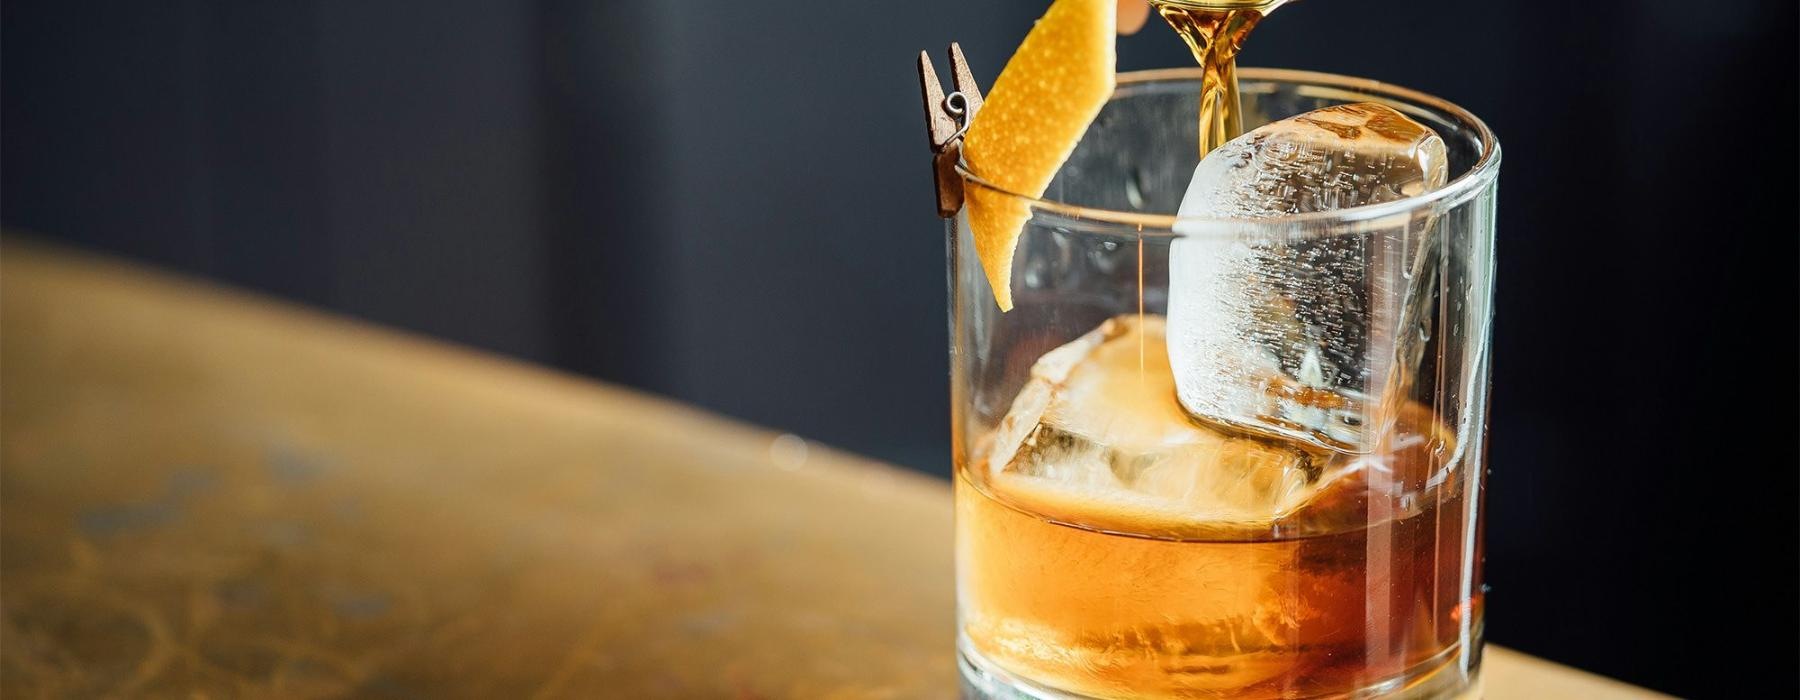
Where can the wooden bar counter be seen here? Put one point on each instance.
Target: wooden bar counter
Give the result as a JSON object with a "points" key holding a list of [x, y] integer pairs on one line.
{"points": [[204, 494]]}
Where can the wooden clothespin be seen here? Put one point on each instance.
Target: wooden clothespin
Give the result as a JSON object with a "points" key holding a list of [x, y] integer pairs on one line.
{"points": [[946, 120]]}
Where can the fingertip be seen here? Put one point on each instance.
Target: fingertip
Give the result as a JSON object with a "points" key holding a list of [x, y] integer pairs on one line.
{"points": [[1132, 15]]}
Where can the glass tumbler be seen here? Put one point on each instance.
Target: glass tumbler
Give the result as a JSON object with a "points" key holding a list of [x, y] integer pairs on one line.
{"points": [[1314, 530]]}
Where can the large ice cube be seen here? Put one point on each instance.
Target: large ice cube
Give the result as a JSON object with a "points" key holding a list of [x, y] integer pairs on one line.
{"points": [[1295, 328], [1096, 437]]}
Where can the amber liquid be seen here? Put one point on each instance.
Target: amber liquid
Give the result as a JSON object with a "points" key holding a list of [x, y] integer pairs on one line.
{"points": [[1215, 31], [1369, 586]]}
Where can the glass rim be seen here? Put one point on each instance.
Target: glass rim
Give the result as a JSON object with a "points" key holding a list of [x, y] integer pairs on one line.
{"points": [[1463, 187]]}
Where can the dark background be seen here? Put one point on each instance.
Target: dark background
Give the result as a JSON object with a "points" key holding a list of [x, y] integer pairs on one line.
{"points": [[729, 203]]}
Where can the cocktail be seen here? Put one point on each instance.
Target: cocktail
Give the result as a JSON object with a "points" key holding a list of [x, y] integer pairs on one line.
{"points": [[1218, 422]]}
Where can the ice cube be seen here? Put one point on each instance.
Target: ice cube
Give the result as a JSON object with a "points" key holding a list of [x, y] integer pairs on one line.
{"points": [[1296, 329], [1096, 437]]}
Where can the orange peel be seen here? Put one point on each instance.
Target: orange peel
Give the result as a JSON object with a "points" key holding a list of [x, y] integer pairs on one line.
{"points": [[1039, 107]]}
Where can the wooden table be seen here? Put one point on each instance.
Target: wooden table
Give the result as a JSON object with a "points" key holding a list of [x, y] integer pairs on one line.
{"points": [[208, 494]]}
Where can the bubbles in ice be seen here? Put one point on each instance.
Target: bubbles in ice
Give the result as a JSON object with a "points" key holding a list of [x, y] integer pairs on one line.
{"points": [[1294, 328]]}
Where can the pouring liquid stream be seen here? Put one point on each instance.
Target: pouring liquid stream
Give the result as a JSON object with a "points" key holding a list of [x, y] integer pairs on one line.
{"points": [[1215, 30]]}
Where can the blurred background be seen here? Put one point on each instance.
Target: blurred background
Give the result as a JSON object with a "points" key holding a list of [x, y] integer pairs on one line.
{"points": [[730, 204]]}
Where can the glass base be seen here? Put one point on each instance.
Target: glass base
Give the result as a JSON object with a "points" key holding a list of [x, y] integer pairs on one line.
{"points": [[1440, 679]]}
